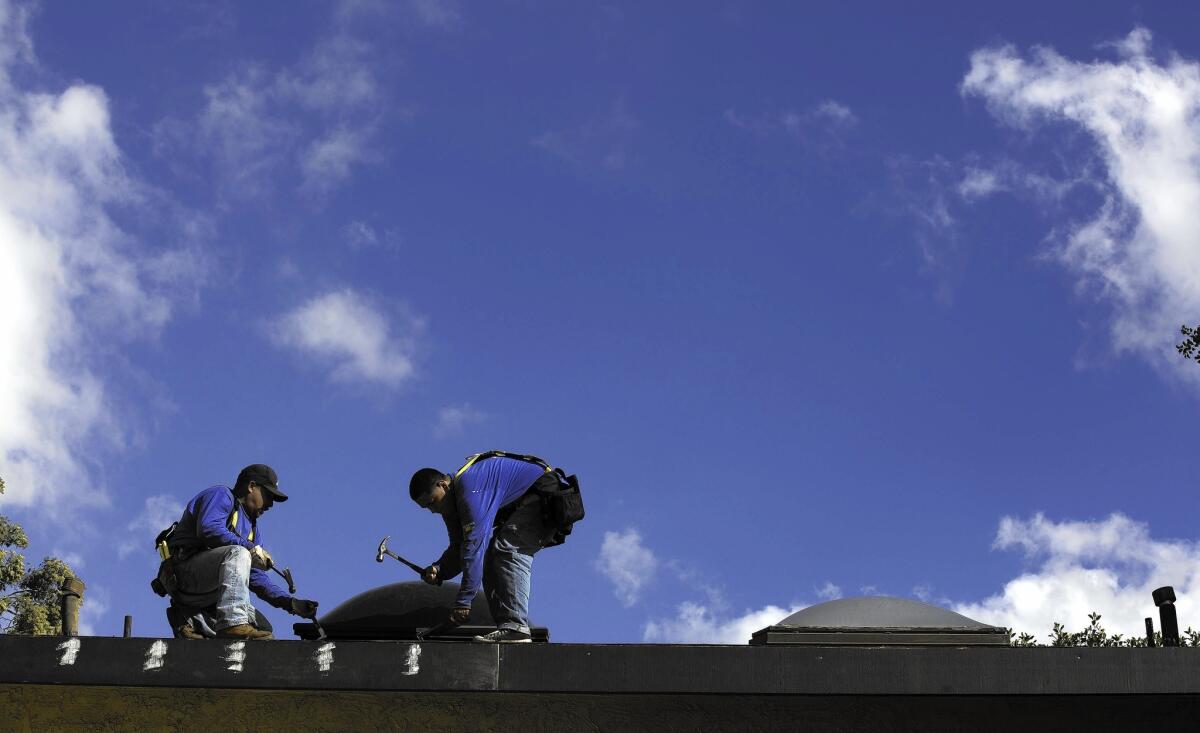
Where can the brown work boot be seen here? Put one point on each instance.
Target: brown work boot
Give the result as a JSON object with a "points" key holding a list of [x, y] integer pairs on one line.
{"points": [[182, 629], [244, 631]]}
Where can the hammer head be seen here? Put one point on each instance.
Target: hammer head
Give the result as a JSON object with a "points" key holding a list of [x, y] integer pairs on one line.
{"points": [[382, 549], [287, 575]]}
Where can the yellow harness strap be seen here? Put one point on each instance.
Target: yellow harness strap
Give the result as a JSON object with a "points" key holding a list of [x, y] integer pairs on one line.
{"points": [[503, 454], [233, 525]]}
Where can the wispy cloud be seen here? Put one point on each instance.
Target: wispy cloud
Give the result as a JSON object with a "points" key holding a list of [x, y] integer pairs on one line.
{"points": [[696, 623], [158, 512], [318, 116], [822, 127], [436, 13], [627, 563], [1136, 252], [353, 336], [602, 143], [361, 236], [454, 420], [1108, 566], [70, 278], [328, 160]]}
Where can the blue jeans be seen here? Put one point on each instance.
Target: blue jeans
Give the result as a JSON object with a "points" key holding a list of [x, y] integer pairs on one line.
{"points": [[508, 567], [218, 577]]}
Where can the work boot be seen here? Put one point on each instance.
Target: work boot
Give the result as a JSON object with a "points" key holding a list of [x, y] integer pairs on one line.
{"points": [[182, 628], [244, 631]]}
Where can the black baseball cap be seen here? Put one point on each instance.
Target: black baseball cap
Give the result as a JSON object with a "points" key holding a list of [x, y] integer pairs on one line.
{"points": [[264, 476]]}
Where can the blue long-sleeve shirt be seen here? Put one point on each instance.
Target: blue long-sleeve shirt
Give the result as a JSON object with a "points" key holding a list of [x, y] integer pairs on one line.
{"points": [[205, 525], [479, 493]]}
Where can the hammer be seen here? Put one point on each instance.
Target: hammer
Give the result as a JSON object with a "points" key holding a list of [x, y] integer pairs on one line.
{"points": [[383, 550], [286, 575]]}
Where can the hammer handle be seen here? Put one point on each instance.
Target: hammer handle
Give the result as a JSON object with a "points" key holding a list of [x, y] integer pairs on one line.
{"points": [[416, 568]]}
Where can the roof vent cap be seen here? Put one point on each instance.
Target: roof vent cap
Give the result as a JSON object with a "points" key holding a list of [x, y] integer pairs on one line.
{"points": [[879, 621]]}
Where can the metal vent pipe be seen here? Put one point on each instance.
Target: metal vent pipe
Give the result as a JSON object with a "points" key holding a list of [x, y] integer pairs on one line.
{"points": [[1164, 598], [72, 596]]}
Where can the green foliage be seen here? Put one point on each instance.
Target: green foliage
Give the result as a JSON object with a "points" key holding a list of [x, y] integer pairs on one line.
{"points": [[29, 598], [1094, 635], [1189, 348]]}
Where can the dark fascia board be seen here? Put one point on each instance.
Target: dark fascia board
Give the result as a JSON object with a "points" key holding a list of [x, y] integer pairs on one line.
{"points": [[874, 636], [589, 668]]}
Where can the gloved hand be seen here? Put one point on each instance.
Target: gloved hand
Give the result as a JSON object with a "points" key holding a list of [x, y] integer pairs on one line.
{"points": [[303, 608], [260, 558], [431, 575], [459, 616]]}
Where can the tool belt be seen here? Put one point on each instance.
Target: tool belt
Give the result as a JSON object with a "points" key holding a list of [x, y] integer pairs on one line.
{"points": [[165, 583]]}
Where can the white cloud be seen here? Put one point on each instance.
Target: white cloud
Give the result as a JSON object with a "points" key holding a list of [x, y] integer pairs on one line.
{"points": [[821, 127], [94, 608], [829, 592], [697, 624], [353, 336], [627, 563], [436, 13], [158, 512], [335, 76], [602, 142], [318, 115], [328, 160], [454, 420], [361, 235], [835, 113], [71, 282], [1137, 252], [1108, 566], [238, 124]]}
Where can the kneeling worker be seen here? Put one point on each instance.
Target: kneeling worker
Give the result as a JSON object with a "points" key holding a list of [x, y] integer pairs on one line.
{"points": [[218, 558], [499, 510]]}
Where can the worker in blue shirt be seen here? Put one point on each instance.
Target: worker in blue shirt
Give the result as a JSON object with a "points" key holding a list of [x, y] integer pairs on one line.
{"points": [[493, 516], [219, 559]]}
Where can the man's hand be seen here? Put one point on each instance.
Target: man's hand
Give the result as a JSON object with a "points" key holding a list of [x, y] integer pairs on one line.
{"points": [[303, 608], [260, 558], [459, 616], [430, 575]]}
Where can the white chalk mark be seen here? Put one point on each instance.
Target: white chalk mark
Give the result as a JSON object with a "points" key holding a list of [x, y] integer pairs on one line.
{"points": [[154, 656], [235, 656], [411, 666], [324, 656], [70, 650]]}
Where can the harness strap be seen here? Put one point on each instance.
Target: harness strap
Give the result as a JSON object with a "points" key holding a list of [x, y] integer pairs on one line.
{"points": [[233, 525], [471, 460]]}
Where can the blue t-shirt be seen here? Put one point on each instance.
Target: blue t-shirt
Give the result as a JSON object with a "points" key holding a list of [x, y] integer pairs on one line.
{"points": [[481, 491]]}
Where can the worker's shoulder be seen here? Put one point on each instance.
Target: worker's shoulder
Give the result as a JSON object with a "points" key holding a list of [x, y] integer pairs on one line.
{"points": [[217, 492]]}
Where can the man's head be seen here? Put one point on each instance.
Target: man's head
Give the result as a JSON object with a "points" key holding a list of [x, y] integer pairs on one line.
{"points": [[258, 488], [428, 489]]}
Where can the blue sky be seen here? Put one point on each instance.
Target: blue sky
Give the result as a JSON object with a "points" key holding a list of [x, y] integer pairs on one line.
{"points": [[815, 301]]}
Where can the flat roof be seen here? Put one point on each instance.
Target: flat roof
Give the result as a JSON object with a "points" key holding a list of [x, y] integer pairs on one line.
{"points": [[599, 668]]}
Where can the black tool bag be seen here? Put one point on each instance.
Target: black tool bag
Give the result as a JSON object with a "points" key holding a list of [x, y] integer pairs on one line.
{"points": [[562, 503]]}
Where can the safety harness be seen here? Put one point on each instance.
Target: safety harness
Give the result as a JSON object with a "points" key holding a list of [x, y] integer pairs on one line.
{"points": [[562, 502]]}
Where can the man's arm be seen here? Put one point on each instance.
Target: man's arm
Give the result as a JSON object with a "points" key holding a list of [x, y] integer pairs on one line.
{"points": [[450, 563], [213, 508], [477, 511]]}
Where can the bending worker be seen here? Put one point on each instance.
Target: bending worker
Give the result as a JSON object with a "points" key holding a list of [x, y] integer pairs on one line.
{"points": [[218, 559], [499, 510]]}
